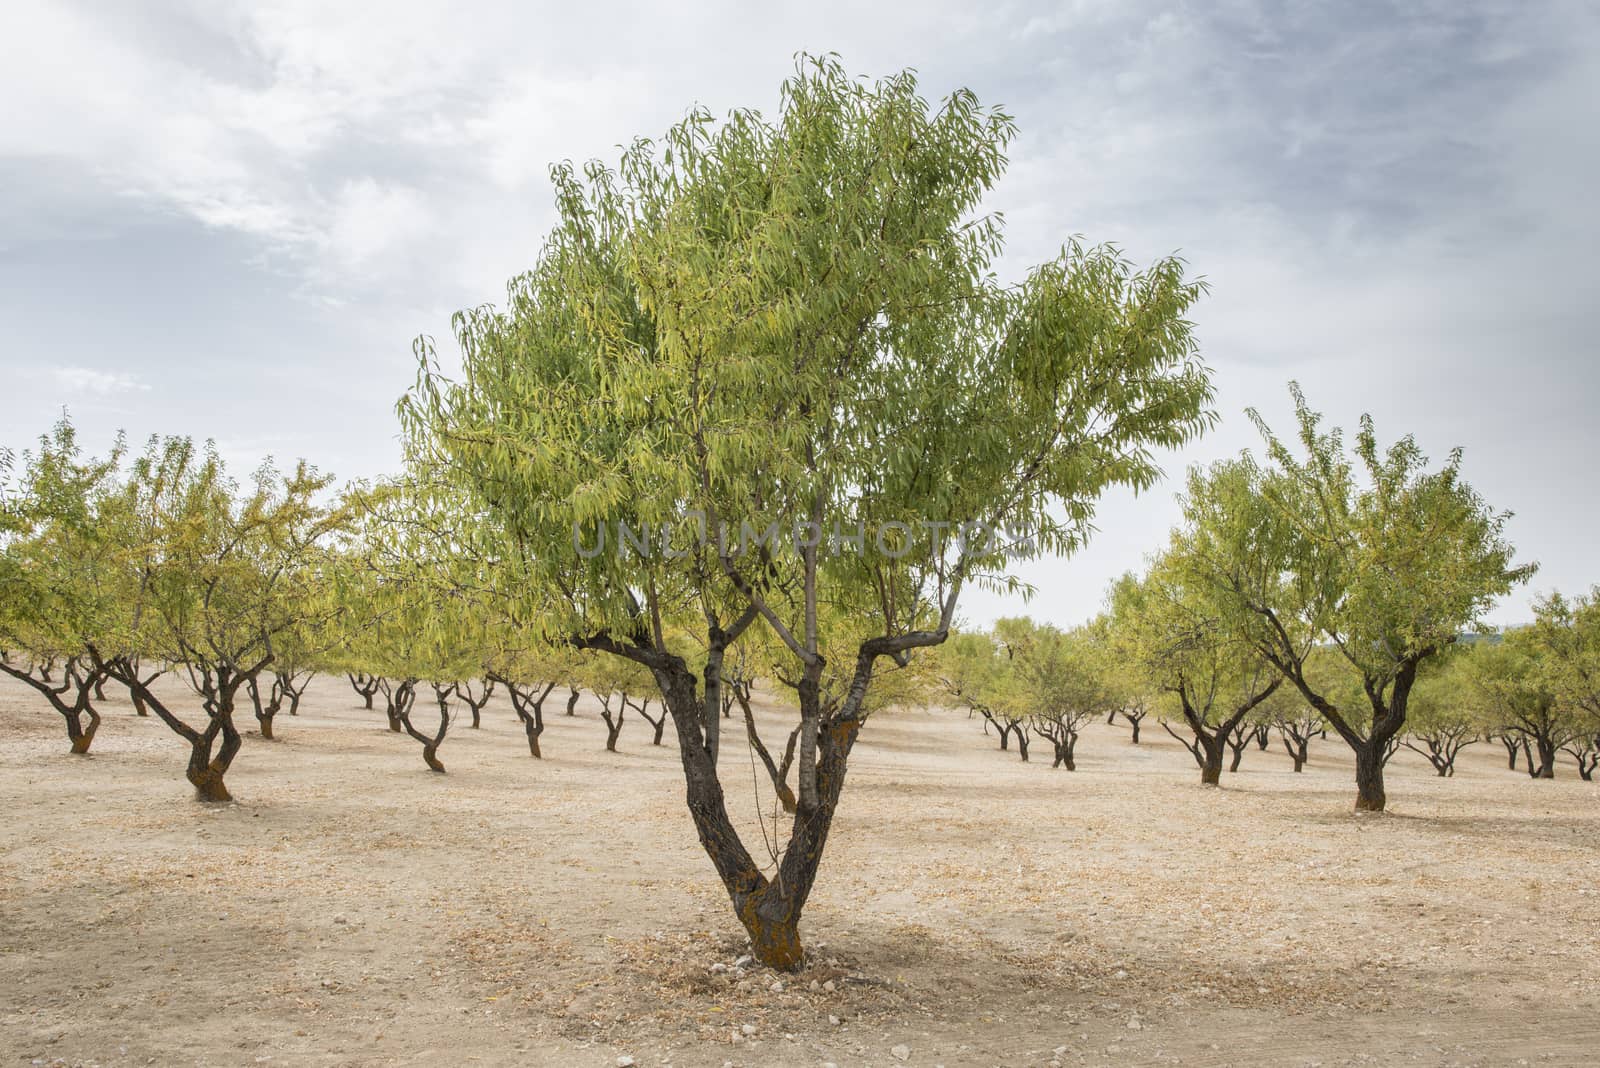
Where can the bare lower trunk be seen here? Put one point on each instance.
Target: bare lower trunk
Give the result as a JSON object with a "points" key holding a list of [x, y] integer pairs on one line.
{"points": [[82, 737], [1370, 796], [769, 907]]}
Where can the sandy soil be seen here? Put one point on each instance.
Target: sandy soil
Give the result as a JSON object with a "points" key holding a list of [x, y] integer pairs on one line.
{"points": [[352, 908]]}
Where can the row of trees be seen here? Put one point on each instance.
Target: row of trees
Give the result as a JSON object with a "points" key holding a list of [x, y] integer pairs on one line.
{"points": [[1527, 689], [129, 568]]}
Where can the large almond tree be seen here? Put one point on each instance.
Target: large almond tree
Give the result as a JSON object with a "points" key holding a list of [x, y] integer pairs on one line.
{"points": [[763, 375]]}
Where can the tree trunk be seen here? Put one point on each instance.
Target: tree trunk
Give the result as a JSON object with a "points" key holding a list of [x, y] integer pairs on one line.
{"points": [[1369, 777], [769, 908], [533, 738], [207, 772], [430, 757], [1134, 722], [1547, 758], [81, 737], [1211, 767], [572, 701]]}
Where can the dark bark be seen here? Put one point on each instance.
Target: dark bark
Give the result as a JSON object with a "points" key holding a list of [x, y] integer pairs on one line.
{"points": [[1441, 747], [657, 724], [1238, 738], [613, 722], [1587, 754], [1295, 744], [71, 698], [212, 748], [777, 772], [397, 699], [1263, 736], [430, 742], [528, 701], [476, 701], [572, 700], [265, 710], [1210, 740], [293, 685], [1387, 698], [366, 685], [1134, 718], [1512, 749], [1370, 759], [1062, 734]]}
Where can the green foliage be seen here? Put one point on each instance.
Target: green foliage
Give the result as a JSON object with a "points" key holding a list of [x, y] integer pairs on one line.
{"points": [[793, 321], [1379, 558]]}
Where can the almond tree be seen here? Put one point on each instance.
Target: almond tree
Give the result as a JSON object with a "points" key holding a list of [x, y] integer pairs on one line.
{"points": [[1565, 636], [792, 327], [59, 582], [1380, 559], [222, 575], [1443, 718], [420, 618], [1209, 677], [974, 668], [529, 671], [366, 686], [1514, 689], [1060, 679]]}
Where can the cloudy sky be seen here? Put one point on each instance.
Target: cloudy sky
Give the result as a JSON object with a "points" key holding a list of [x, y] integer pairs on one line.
{"points": [[229, 220]]}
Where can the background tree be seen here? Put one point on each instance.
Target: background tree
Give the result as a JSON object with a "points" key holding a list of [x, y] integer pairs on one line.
{"points": [[1516, 692], [59, 576], [221, 577], [1172, 627], [1443, 718], [976, 669], [782, 325], [1060, 681], [1381, 559], [1565, 636]]}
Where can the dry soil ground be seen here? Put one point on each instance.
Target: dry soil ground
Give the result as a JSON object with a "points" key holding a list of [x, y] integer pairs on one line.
{"points": [[352, 908]]}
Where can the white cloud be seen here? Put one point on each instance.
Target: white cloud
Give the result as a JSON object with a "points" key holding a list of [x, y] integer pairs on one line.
{"points": [[77, 381]]}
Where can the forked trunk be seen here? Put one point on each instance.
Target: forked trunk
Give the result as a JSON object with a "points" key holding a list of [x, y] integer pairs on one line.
{"points": [[769, 907], [1547, 758], [82, 737]]}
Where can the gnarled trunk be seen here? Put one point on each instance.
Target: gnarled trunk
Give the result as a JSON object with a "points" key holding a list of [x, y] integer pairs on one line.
{"points": [[1370, 796]]}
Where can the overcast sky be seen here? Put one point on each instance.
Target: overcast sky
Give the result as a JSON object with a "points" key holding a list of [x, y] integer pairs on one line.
{"points": [[229, 220]]}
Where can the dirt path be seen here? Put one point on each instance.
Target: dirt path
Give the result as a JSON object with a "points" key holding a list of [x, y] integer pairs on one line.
{"points": [[353, 908]]}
